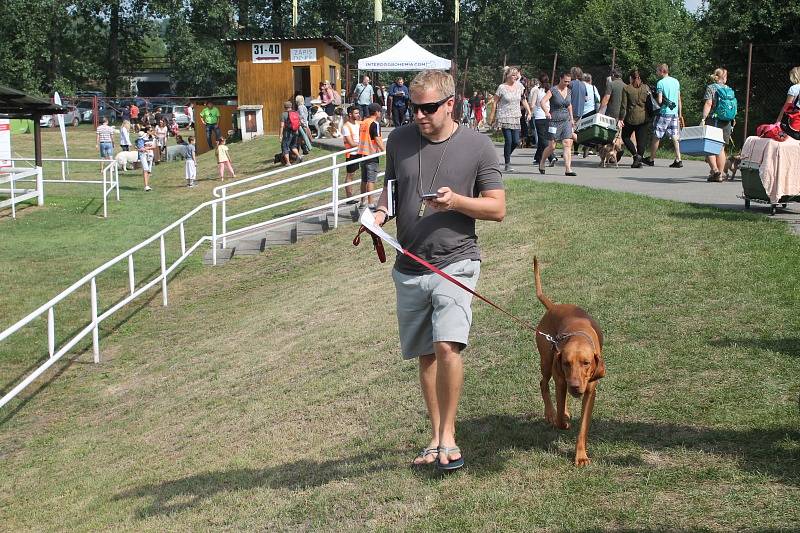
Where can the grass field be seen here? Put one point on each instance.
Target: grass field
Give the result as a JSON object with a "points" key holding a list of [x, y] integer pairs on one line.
{"points": [[270, 394], [46, 249]]}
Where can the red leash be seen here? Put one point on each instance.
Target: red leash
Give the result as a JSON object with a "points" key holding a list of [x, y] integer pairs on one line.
{"points": [[382, 256]]}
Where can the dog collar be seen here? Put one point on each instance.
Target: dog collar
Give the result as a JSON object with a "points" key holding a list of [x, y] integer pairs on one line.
{"points": [[558, 339]]}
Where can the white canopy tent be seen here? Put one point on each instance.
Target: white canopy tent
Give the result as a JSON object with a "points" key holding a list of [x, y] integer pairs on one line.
{"points": [[405, 55]]}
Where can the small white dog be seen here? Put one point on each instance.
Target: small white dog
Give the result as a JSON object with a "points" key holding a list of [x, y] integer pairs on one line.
{"points": [[318, 121], [123, 158]]}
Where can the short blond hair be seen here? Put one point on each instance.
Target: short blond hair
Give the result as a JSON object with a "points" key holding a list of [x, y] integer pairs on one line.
{"points": [[718, 75], [299, 100], [794, 75], [434, 79], [663, 67], [507, 71]]}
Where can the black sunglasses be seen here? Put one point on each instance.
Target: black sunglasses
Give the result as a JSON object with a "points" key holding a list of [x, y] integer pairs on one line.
{"points": [[429, 108]]}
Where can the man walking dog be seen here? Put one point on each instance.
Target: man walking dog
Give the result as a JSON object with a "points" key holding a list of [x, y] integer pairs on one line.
{"points": [[447, 177]]}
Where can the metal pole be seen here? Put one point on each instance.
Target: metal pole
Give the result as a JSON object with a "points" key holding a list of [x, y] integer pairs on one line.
{"points": [[95, 329], [613, 58], [183, 240], [131, 275], [224, 218], [555, 63], [51, 332], [105, 196], [747, 98], [163, 272], [347, 59], [335, 196], [37, 150], [214, 234]]}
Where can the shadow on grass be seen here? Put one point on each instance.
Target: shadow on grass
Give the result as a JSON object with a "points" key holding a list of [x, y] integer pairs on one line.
{"points": [[177, 495], [788, 346], [758, 451], [70, 360], [484, 441], [726, 213]]}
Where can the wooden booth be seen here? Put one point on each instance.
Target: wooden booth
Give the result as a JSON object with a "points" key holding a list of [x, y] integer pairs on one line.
{"points": [[228, 125], [270, 71]]}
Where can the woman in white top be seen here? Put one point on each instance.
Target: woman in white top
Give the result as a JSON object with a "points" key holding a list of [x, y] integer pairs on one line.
{"points": [[540, 119], [793, 97], [508, 113], [591, 103], [161, 139], [125, 136]]}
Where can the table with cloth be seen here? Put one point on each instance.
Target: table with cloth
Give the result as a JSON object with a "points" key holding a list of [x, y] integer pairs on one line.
{"points": [[778, 165]]}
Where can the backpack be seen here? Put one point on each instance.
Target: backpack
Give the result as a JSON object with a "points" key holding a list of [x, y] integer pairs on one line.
{"points": [[294, 120], [727, 106]]}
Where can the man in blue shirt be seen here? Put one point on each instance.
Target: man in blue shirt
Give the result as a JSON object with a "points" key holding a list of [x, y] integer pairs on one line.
{"points": [[398, 94], [668, 96]]}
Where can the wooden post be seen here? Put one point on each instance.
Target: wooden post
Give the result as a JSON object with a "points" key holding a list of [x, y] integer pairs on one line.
{"points": [[454, 68], [747, 98], [347, 60], [614, 58], [555, 63]]}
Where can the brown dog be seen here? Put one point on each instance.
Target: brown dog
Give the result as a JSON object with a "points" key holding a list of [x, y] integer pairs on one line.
{"points": [[570, 344]]}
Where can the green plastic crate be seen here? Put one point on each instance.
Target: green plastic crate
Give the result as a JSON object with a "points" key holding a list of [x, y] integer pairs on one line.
{"points": [[596, 134]]}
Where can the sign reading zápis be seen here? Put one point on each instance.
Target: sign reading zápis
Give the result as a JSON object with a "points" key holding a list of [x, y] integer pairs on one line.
{"points": [[302, 54], [266, 52]]}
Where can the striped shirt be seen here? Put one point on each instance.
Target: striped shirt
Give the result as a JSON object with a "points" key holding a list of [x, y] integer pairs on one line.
{"points": [[105, 134]]}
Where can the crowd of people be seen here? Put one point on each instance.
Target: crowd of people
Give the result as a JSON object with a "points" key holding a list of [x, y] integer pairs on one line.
{"points": [[534, 111]]}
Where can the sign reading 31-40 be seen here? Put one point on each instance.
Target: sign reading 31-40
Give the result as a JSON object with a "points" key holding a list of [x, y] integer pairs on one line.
{"points": [[266, 52]]}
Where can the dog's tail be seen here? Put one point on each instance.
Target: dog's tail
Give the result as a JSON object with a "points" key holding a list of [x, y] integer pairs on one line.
{"points": [[539, 294]]}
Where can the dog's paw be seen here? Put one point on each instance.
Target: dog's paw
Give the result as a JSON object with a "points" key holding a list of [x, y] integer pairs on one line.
{"points": [[582, 460], [562, 423]]}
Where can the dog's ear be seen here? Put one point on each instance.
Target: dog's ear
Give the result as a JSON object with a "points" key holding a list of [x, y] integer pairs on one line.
{"points": [[599, 367]]}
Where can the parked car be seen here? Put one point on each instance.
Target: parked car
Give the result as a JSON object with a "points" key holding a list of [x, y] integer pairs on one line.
{"points": [[71, 117], [179, 112]]}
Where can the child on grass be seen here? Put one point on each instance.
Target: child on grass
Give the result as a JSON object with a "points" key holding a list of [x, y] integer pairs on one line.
{"points": [[224, 159], [191, 163]]}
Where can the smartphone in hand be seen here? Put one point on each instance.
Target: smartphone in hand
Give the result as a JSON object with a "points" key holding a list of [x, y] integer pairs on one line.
{"points": [[430, 196]]}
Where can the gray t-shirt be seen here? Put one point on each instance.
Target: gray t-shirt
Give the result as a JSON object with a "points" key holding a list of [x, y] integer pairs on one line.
{"points": [[614, 88], [189, 150], [470, 166]]}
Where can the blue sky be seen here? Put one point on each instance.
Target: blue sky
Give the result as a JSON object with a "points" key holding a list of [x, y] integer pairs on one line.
{"points": [[692, 5]]}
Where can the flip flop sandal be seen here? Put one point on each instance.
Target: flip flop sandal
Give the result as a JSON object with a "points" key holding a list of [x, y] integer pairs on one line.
{"points": [[425, 452], [455, 464]]}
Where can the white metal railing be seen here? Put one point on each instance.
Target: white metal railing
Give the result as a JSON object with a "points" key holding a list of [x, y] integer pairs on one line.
{"points": [[11, 176], [333, 167], [215, 238], [109, 175]]}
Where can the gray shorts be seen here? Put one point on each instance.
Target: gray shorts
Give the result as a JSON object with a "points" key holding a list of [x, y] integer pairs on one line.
{"points": [[369, 170], [431, 309]]}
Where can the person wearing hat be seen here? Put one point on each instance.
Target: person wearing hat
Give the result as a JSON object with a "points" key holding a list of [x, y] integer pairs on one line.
{"points": [[144, 157]]}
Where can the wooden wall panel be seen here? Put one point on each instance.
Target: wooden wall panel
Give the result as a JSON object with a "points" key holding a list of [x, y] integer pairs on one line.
{"points": [[226, 117], [271, 84]]}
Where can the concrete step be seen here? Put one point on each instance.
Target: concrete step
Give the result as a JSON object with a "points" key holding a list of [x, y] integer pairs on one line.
{"points": [[249, 246], [280, 236], [256, 241], [223, 256], [315, 225]]}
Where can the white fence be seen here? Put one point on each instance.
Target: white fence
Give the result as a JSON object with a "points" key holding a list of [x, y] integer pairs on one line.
{"points": [[216, 238], [13, 176], [109, 175]]}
